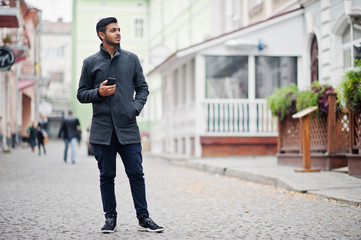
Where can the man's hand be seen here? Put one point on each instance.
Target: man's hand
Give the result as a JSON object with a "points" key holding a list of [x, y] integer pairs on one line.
{"points": [[105, 90]]}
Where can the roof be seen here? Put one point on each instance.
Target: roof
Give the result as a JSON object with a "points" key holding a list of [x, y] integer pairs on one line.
{"points": [[215, 40]]}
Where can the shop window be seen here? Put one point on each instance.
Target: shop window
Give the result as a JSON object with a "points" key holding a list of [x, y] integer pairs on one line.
{"points": [[351, 43], [274, 72], [227, 76]]}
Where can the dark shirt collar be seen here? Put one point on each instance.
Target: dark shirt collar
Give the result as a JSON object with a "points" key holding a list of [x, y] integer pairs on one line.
{"points": [[107, 54]]}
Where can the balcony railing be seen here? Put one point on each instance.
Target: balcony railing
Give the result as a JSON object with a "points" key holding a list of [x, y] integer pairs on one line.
{"points": [[9, 11], [239, 117]]}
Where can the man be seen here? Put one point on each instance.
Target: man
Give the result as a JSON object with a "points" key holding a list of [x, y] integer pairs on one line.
{"points": [[114, 126], [41, 133], [69, 131]]}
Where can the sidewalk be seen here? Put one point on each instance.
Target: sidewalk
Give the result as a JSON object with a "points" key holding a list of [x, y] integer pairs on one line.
{"points": [[335, 185]]}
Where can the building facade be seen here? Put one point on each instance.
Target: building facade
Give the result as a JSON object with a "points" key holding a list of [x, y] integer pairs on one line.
{"points": [[214, 93], [213, 63], [19, 24], [55, 82]]}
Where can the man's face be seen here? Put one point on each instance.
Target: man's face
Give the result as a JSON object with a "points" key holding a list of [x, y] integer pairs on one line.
{"points": [[112, 34]]}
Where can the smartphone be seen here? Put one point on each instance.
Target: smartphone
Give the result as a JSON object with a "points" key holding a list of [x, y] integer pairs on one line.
{"points": [[111, 81]]}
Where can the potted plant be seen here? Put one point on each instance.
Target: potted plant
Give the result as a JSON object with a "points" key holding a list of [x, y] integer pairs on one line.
{"points": [[317, 96], [325, 134]]}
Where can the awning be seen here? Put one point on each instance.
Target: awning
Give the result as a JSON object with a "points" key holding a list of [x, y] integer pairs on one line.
{"points": [[25, 82], [20, 58], [20, 53]]}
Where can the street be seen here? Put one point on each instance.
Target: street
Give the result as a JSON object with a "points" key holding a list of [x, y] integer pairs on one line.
{"points": [[44, 198]]}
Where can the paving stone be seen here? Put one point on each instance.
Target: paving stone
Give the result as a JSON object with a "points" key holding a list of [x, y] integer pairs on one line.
{"points": [[43, 198]]}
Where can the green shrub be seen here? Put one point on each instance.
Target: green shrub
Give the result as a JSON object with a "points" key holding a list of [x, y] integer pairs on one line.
{"points": [[306, 99], [283, 101], [350, 88], [288, 100]]}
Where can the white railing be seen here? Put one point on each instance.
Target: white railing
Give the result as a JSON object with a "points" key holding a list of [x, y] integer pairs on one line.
{"points": [[238, 117]]}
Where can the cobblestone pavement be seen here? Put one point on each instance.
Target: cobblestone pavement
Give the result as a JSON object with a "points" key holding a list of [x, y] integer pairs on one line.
{"points": [[41, 197]]}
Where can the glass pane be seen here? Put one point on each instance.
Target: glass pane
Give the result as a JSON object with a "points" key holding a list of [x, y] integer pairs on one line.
{"points": [[347, 58], [227, 77], [272, 72], [346, 36], [357, 29], [357, 52]]}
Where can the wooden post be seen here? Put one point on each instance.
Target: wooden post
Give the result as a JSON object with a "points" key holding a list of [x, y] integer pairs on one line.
{"points": [[304, 117], [279, 138], [331, 124]]}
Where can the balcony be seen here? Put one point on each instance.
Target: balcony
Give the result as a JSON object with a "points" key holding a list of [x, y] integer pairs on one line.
{"points": [[9, 14], [238, 117]]}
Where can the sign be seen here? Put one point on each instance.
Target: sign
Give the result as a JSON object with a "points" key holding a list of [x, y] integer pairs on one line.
{"points": [[7, 58]]}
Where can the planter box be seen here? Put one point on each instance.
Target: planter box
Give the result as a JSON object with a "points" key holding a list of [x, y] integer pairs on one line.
{"points": [[329, 140]]}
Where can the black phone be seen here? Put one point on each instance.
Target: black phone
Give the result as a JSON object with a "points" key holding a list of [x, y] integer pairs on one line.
{"points": [[111, 81]]}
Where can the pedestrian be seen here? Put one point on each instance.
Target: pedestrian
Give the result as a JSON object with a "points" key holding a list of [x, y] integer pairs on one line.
{"points": [[114, 126], [69, 132], [31, 130], [41, 133]]}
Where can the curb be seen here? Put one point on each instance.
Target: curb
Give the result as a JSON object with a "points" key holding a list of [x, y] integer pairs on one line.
{"points": [[258, 178]]}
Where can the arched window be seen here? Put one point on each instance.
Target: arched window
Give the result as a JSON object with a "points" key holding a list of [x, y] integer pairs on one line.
{"points": [[351, 42], [314, 60]]}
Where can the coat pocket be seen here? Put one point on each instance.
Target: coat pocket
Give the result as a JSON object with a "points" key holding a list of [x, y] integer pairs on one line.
{"points": [[131, 110]]}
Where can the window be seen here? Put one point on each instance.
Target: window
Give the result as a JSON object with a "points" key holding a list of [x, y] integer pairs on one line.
{"points": [[55, 52], [314, 60], [351, 43], [57, 77], [184, 83], [227, 77], [139, 28], [192, 80], [175, 87], [274, 72]]}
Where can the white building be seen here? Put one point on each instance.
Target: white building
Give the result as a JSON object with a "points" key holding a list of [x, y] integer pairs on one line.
{"points": [[214, 93]]}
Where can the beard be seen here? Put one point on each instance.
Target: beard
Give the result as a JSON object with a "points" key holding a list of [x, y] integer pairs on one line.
{"points": [[111, 42]]}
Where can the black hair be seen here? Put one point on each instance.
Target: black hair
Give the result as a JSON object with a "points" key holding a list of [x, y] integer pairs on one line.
{"points": [[102, 24]]}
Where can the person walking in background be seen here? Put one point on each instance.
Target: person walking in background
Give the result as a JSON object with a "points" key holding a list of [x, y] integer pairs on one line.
{"points": [[32, 136], [109, 80], [41, 133], [69, 132]]}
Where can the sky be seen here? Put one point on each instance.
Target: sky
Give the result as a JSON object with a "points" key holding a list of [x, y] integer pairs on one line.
{"points": [[54, 9]]}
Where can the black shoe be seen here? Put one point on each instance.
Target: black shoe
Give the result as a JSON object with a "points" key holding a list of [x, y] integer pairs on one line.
{"points": [[110, 225], [146, 224]]}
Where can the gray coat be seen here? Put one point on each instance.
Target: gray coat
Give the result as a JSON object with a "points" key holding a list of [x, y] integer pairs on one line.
{"points": [[116, 112]]}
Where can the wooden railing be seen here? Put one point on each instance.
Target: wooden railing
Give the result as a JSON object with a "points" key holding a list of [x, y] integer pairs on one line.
{"points": [[238, 116], [327, 134], [328, 138], [355, 141], [354, 156]]}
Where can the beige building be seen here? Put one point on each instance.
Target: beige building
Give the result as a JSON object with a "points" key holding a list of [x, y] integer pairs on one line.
{"points": [[18, 100], [55, 84]]}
